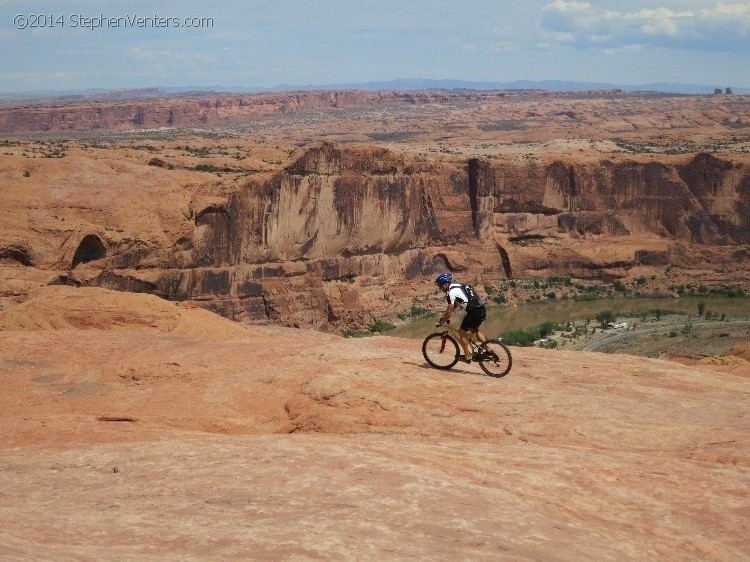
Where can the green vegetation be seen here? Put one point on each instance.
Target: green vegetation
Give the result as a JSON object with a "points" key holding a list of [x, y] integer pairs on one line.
{"points": [[54, 153], [201, 151], [414, 312], [210, 168], [605, 317], [527, 336], [620, 287], [720, 291], [146, 147], [499, 298], [380, 326], [221, 169]]}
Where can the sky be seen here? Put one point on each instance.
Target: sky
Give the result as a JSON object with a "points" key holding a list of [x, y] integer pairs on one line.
{"points": [[73, 45]]}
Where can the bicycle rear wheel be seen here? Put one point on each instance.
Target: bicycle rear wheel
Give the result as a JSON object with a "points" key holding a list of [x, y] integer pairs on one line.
{"points": [[440, 350], [495, 359]]}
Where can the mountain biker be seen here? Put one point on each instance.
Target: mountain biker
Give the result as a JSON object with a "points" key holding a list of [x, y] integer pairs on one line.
{"points": [[458, 296]]}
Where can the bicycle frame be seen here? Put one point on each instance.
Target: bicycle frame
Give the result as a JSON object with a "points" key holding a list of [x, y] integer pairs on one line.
{"points": [[474, 341]]}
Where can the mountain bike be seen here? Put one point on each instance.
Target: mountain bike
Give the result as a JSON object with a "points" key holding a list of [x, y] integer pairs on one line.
{"points": [[441, 350]]}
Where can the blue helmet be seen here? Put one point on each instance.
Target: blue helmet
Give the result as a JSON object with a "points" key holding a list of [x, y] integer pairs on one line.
{"points": [[443, 278]]}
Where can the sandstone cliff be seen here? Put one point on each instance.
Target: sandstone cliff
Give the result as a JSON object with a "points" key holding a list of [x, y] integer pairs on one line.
{"points": [[202, 110], [344, 234]]}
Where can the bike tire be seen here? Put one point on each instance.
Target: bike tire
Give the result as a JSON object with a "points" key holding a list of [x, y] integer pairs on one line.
{"points": [[495, 359], [438, 352]]}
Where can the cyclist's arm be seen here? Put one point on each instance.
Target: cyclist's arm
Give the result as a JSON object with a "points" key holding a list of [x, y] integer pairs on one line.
{"points": [[447, 314]]}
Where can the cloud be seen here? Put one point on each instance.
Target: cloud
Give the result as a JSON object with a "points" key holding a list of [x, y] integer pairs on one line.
{"points": [[721, 27]]}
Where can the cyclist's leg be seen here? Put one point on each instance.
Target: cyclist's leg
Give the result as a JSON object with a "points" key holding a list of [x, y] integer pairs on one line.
{"points": [[470, 323], [464, 341], [478, 316]]}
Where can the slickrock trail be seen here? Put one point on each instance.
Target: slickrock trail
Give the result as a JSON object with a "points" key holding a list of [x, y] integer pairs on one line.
{"points": [[169, 433]]}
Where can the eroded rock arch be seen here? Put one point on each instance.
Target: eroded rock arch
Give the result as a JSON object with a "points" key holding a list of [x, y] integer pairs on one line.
{"points": [[89, 249]]}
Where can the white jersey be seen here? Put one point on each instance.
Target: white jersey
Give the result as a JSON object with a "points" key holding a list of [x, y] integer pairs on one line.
{"points": [[456, 295]]}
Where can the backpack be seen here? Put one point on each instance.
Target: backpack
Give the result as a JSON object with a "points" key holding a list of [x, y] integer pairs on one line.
{"points": [[474, 300]]}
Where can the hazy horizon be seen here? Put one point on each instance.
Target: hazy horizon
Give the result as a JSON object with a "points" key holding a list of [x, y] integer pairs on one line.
{"points": [[398, 84], [266, 45]]}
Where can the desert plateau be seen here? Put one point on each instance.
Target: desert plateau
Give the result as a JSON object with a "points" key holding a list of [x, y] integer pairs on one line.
{"points": [[181, 278]]}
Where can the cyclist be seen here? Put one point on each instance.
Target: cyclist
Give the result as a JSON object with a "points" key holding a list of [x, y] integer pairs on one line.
{"points": [[462, 296]]}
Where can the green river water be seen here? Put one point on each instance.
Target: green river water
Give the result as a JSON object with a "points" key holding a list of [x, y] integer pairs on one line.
{"points": [[501, 318]]}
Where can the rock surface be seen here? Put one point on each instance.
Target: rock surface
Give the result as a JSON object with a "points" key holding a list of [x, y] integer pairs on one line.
{"points": [[136, 441]]}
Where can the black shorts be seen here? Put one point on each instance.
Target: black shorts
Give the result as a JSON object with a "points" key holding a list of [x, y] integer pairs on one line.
{"points": [[473, 319]]}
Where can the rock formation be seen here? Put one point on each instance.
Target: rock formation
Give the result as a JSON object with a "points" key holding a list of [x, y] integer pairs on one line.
{"points": [[342, 231], [261, 217], [206, 110]]}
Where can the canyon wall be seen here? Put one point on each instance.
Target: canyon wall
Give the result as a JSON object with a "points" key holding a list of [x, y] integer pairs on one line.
{"points": [[345, 234], [204, 110]]}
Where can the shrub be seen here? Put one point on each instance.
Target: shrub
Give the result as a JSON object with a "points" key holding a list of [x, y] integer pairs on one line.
{"points": [[499, 299], [207, 168], [605, 317], [554, 280], [348, 332], [489, 289], [524, 337], [701, 308], [546, 329], [417, 311], [380, 326]]}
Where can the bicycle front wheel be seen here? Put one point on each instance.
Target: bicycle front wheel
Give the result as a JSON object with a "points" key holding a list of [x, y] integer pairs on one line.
{"points": [[440, 350], [495, 359]]}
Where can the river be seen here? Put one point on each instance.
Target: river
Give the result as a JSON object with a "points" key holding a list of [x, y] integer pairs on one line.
{"points": [[501, 318]]}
